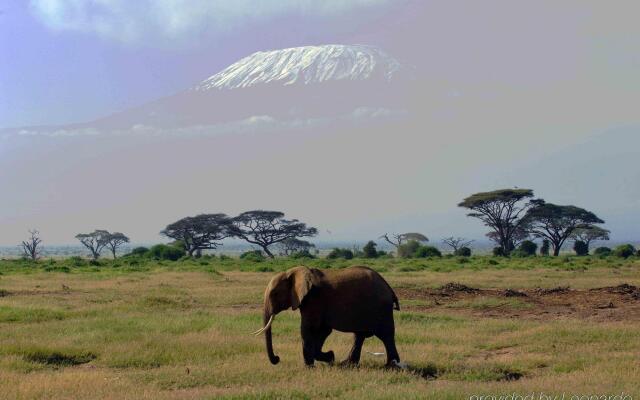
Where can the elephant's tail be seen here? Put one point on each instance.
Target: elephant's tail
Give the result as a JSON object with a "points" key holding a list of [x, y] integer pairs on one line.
{"points": [[396, 303]]}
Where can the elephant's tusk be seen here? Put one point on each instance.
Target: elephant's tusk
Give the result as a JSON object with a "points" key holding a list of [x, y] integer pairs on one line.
{"points": [[267, 326]]}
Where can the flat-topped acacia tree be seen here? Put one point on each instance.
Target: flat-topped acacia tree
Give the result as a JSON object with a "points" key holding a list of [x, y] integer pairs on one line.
{"points": [[502, 211], [202, 232], [94, 241], [558, 223], [115, 240], [265, 228], [590, 234]]}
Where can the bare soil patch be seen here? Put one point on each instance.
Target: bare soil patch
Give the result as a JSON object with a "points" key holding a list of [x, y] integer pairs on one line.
{"points": [[613, 303]]}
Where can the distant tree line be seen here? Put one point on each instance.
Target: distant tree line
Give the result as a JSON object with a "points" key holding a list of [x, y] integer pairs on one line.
{"points": [[514, 218]]}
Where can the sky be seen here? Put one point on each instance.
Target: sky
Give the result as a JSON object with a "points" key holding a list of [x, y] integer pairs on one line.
{"points": [[530, 94]]}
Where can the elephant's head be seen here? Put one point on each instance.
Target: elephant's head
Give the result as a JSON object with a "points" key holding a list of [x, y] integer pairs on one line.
{"points": [[285, 290]]}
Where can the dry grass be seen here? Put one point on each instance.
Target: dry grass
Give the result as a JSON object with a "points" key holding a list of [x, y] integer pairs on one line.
{"points": [[184, 335]]}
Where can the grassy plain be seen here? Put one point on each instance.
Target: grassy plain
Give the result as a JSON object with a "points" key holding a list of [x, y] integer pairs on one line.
{"points": [[136, 329]]}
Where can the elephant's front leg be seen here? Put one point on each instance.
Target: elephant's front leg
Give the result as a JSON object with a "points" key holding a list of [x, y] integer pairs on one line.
{"points": [[320, 337]]}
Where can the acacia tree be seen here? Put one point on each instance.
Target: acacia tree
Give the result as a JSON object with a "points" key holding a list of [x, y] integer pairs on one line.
{"points": [[456, 243], [115, 240], [397, 240], [94, 241], [590, 234], [502, 211], [293, 245], [31, 247], [199, 233], [265, 228], [557, 223]]}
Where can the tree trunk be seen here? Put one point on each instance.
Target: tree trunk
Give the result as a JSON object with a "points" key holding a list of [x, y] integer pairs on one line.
{"points": [[556, 250], [113, 250], [266, 250]]}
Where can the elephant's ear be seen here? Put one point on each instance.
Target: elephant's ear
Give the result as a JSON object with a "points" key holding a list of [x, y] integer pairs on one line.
{"points": [[302, 280]]}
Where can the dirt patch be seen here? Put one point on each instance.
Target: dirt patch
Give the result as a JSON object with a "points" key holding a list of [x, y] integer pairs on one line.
{"points": [[555, 290], [513, 293], [453, 287], [616, 303]]}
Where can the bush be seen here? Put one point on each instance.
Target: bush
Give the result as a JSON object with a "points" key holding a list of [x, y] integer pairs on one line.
{"points": [[545, 248], [602, 252], [369, 250], [301, 254], [139, 251], [427, 251], [580, 248], [624, 251], [463, 252], [340, 253], [498, 252], [252, 255], [78, 261], [527, 248], [165, 252], [408, 249]]}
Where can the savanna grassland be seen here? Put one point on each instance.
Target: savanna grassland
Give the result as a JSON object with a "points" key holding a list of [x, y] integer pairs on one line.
{"points": [[143, 329]]}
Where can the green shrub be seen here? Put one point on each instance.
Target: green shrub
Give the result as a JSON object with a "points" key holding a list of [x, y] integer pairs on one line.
{"points": [[301, 254], [526, 249], [139, 251], [253, 256], [602, 252], [545, 248], [340, 253], [408, 249], [624, 251], [165, 252], [498, 252], [463, 252], [369, 250], [427, 251], [580, 248], [78, 261]]}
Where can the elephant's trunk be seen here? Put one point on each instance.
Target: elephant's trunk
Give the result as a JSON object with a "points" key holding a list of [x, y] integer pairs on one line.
{"points": [[267, 320]]}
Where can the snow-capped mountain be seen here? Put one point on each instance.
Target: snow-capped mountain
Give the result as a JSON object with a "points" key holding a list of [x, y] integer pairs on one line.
{"points": [[307, 65]]}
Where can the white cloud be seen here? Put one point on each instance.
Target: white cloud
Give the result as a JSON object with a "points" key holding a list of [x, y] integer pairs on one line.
{"points": [[133, 21]]}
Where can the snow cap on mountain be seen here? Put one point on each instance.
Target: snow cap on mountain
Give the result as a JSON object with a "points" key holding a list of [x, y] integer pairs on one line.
{"points": [[305, 65]]}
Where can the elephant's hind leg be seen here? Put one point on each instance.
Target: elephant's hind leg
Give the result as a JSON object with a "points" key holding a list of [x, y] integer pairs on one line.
{"points": [[356, 349], [321, 337], [387, 335]]}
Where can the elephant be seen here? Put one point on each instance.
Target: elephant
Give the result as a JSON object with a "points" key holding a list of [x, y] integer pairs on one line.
{"points": [[355, 299]]}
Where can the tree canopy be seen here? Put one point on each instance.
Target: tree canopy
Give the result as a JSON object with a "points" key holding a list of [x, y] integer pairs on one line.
{"points": [[590, 234], [397, 239], [557, 223], [201, 232], [94, 241], [115, 240], [502, 211], [265, 228], [293, 245]]}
